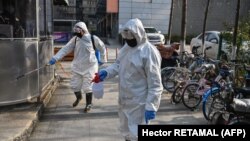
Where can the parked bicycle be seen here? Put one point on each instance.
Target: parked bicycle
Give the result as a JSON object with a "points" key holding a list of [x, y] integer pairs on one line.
{"points": [[216, 100], [193, 92], [236, 105], [172, 75]]}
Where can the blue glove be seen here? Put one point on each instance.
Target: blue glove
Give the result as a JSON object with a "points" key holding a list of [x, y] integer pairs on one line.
{"points": [[52, 61], [102, 74], [149, 115]]}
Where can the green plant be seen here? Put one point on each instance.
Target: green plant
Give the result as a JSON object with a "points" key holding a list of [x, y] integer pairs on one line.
{"points": [[242, 37]]}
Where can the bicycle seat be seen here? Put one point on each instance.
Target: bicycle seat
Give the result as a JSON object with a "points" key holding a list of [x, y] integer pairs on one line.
{"points": [[241, 105], [198, 70], [209, 66]]}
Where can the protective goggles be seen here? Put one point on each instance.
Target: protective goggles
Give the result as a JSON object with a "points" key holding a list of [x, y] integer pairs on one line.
{"points": [[126, 34], [77, 29]]}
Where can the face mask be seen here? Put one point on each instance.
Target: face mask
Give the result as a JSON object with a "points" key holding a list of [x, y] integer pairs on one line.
{"points": [[77, 32], [131, 42], [78, 35]]}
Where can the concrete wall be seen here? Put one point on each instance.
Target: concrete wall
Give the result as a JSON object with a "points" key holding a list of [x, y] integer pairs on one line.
{"points": [[221, 12], [151, 12]]}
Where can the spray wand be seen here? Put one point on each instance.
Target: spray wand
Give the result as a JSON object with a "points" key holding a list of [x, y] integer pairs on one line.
{"points": [[23, 75]]}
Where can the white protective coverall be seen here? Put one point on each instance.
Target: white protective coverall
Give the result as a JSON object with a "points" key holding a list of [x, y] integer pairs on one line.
{"points": [[85, 64], [140, 87]]}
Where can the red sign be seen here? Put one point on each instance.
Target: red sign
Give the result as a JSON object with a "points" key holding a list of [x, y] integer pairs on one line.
{"points": [[112, 6]]}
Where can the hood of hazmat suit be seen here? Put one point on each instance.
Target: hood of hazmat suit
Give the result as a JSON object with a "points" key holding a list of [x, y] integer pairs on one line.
{"points": [[81, 25], [140, 86]]}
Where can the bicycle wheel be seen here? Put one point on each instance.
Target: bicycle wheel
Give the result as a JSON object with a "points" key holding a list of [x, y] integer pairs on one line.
{"points": [[177, 94], [190, 98], [167, 82], [171, 76], [211, 104]]}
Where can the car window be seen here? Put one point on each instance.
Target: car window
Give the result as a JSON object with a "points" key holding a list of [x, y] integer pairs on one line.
{"points": [[201, 36], [212, 36], [150, 30]]}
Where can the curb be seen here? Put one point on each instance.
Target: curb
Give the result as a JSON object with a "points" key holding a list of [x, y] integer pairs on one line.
{"points": [[40, 106]]}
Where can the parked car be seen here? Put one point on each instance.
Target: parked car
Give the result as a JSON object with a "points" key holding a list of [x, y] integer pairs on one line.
{"points": [[155, 37], [212, 39]]}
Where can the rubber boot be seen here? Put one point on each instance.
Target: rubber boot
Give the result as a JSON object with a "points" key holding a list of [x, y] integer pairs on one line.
{"points": [[78, 98], [88, 102]]}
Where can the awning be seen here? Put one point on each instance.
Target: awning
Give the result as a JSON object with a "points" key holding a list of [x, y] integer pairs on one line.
{"points": [[61, 2]]}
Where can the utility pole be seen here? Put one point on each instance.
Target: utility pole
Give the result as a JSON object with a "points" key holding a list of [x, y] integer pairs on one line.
{"points": [[170, 22], [204, 28], [235, 31], [131, 16], [79, 10], [183, 26]]}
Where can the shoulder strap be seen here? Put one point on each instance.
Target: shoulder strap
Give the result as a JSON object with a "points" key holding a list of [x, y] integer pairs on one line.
{"points": [[75, 40], [93, 41]]}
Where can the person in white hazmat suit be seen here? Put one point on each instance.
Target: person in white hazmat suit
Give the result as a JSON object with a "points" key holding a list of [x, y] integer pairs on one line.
{"points": [[139, 68], [85, 64]]}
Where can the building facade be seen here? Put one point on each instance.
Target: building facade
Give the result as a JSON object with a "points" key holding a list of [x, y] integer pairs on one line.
{"points": [[220, 16], [151, 12], [65, 16], [154, 13]]}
